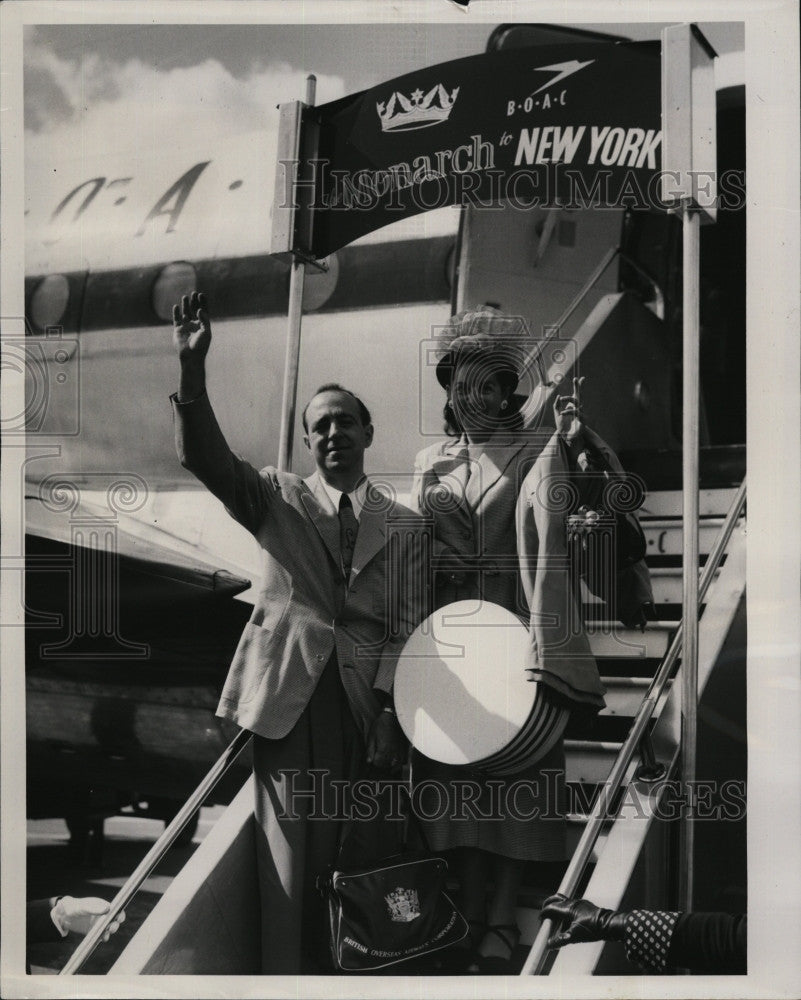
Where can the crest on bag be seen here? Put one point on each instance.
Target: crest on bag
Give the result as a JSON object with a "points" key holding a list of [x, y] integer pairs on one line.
{"points": [[403, 905]]}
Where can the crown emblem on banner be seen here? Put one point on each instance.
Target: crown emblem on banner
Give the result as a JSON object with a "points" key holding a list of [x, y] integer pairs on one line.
{"points": [[419, 110], [403, 905]]}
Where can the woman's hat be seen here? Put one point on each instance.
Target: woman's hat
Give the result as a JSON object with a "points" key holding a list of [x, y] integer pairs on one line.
{"points": [[488, 337]]}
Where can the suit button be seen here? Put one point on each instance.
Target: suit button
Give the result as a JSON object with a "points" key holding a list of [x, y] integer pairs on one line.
{"points": [[320, 657]]}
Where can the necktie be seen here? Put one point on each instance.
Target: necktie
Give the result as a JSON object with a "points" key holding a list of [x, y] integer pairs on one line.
{"points": [[348, 529]]}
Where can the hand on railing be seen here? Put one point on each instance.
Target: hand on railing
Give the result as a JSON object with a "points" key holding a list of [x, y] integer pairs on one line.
{"points": [[147, 865], [584, 921], [78, 916]]}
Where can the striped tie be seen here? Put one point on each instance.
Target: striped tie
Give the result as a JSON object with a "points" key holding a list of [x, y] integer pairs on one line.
{"points": [[348, 529]]}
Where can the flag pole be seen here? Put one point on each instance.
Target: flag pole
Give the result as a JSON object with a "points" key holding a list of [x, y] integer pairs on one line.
{"points": [[297, 277]]}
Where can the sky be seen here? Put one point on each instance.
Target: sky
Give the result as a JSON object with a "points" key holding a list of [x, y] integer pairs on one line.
{"points": [[100, 88]]}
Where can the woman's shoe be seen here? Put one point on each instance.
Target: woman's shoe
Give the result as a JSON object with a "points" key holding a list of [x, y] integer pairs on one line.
{"points": [[497, 965]]}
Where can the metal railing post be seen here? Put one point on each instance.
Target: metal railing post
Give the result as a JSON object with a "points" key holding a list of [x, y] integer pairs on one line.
{"points": [[690, 461]]}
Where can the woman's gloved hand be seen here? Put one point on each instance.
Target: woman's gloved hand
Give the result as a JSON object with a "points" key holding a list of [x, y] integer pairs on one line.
{"points": [[583, 921], [80, 915]]}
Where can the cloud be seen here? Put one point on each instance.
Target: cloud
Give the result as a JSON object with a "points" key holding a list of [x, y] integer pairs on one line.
{"points": [[92, 105], [144, 116]]}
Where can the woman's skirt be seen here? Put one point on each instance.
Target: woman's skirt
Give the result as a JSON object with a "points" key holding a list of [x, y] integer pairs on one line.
{"points": [[519, 816]]}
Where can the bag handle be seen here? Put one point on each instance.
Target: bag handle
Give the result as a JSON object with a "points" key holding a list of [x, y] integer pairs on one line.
{"points": [[412, 819]]}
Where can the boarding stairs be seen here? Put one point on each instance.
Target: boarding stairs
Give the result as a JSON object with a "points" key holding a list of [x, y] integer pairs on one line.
{"points": [[628, 863], [204, 923]]}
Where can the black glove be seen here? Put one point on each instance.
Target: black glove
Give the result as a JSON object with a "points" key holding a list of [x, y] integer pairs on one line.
{"points": [[584, 921]]}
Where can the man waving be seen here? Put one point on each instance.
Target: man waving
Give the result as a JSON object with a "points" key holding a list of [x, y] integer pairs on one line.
{"points": [[312, 675]]}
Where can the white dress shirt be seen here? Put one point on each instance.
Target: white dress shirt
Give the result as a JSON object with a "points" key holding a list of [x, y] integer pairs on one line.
{"points": [[357, 497]]}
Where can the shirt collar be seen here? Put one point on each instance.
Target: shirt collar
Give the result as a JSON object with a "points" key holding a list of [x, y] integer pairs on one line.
{"points": [[357, 497]]}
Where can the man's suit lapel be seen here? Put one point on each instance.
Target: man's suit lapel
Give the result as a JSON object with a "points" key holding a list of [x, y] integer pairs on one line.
{"points": [[324, 517], [372, 532]]}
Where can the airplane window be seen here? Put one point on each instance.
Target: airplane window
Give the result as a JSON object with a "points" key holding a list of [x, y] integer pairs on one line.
{"points": [[49, 300], [173, 281], [318, 286]]}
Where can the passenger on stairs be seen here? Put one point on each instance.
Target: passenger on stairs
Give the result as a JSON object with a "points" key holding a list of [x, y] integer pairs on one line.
{"points": [[469, 485], [313, 673]]}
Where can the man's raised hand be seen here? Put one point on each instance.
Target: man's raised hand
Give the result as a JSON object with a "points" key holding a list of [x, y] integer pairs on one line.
{"points": [[191, 334], [191, 327]]}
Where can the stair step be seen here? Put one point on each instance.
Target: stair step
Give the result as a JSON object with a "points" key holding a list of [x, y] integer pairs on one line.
{"points": [[604, 728], [664, 536], [671, 612], [581, 796], [624, 700], [667, 585], [589, 761], [673, 561], [614, 639], [624, 695], [667, 503], [667, 612], [620, 668]]}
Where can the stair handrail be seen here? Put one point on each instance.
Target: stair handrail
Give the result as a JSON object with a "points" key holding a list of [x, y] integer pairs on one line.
{"points": [[146, 866], [611, 786], [534, 356], [588, 285]]}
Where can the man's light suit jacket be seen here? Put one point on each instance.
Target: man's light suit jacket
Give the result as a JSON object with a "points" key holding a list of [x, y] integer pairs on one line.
{"points": [[305, 611]]}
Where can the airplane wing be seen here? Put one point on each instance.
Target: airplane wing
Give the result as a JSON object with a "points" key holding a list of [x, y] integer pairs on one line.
{"points": [[175, 541], [132, 620]]}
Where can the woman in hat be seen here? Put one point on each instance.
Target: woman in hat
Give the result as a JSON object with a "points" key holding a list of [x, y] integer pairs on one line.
{"points": [[469, 485]]}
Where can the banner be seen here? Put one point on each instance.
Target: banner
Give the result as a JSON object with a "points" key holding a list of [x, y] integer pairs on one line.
{"points": [[576, 125]]}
